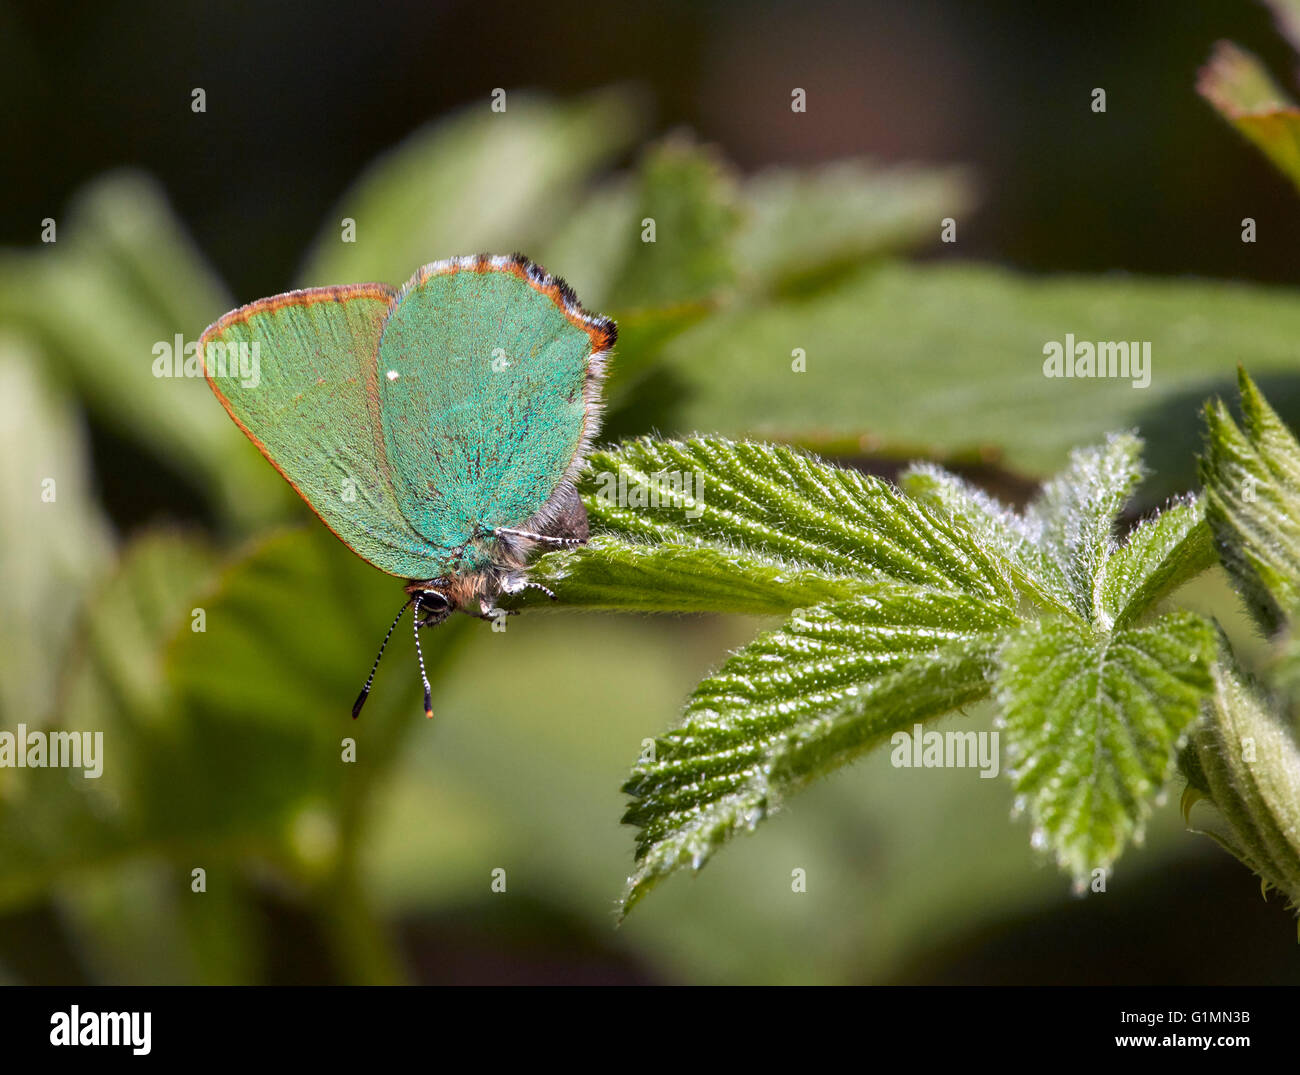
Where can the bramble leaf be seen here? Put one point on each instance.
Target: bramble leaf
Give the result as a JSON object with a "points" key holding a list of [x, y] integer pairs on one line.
{"points": [[1093, 724], [1244, 756], [1252, 489], [905, 608], [1164, 551], [797, 702], [1246, 760], [715, 525], [1072, 522]]}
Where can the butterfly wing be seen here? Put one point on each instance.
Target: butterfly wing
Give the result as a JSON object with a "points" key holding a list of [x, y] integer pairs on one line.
{"points": [[489, 376], [297, 374]]}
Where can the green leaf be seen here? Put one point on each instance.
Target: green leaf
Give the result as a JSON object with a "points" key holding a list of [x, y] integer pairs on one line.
{"points": [[1062, 547], [1092, 726], [299, 617], [119, 896], [780, 229], [265, 692], [1246, 758], [1072, 521], [943, 359], [709, 524], [805, 224], [1252, 492], [798, 702], [993, 525], [928, 613], [1162, 552], [1244, 93], [718, 242], [655, 289], [1065, 534], [1090, 731], [480, 181], [250, 700], [644, 577]]}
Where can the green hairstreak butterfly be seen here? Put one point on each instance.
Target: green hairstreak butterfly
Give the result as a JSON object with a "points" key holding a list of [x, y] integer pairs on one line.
{"points": [[436, 429]]}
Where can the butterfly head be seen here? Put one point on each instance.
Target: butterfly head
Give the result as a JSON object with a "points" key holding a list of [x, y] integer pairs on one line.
{"points": [[434, 601]]}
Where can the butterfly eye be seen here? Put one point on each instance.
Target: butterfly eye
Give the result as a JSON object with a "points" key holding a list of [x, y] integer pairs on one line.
{"points": [[434, 601]]}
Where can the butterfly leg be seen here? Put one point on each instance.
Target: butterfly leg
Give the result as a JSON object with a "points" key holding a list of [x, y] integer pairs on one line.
{"points": [[491, 613], [518, 583]]}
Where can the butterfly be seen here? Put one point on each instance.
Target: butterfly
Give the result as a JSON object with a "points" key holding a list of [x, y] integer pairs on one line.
{"points": [[436, 429]]}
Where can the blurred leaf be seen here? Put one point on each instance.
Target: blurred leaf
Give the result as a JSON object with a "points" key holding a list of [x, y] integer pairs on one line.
{"points": [[124, 925], [55, 825], [592, 244], [1235, 82], [784, 228], [805, 223], [1244, 93], [56, 543], [480, 181], [107, 303], [1252, 489], [945, 359], [655, 289], [686, 194], [1286, 13], [140, 924], [1093, 724], [266, 691], [267, 688], [640, 392], [241, 708], [116, 682]]}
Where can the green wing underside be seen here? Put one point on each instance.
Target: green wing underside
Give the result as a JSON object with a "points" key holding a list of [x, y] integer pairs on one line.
{"points": [[409, 490], [484, 411], [308, 409]]}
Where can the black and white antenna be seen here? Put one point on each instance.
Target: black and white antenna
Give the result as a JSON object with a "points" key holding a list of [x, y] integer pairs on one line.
{"points": [[365, 691]]}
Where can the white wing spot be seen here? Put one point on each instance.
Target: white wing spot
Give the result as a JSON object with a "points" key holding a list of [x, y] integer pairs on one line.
{"points": [[392, 375]]}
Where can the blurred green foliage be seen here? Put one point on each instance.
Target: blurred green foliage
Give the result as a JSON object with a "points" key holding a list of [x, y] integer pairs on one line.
{"points": [[223, 747]]}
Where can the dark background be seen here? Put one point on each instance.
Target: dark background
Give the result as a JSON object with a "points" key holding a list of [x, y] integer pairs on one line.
{"points": [[301, 96]]}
